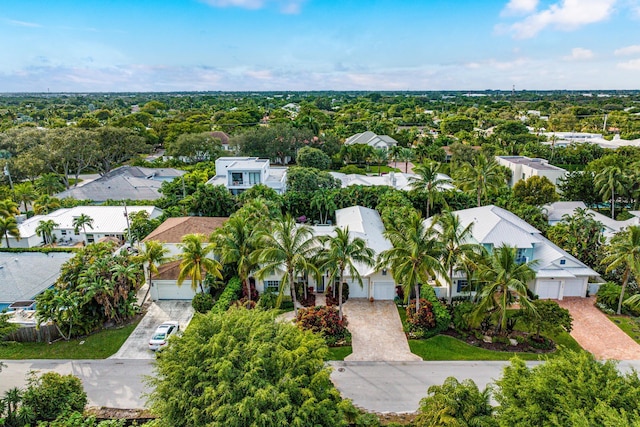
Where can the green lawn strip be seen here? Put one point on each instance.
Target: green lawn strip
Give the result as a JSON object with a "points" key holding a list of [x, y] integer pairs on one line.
{"points": [[339, 353], [628, 324], [96, 346]]}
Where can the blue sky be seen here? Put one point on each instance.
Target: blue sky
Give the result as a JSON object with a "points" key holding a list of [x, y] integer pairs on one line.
{"points": [[143, 45]]}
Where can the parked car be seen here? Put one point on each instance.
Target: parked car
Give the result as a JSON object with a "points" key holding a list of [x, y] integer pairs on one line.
{"points": [[161, 335]]}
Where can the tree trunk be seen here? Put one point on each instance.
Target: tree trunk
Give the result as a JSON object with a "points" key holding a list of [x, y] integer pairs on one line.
{"points": [[428, 203], [148, 290], [340, 295], [479, 194], [450, 284], [613, 201], [625, 280], [417, 298], [246, 282], [292, 290], [6, 236]]}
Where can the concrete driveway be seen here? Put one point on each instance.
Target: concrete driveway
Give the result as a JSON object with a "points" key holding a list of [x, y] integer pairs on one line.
{"points": [[376, 332], [137, 345]]}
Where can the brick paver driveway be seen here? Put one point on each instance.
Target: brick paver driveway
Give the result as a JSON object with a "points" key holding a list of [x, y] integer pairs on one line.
{"points": [[376, 332], [597, 334]]}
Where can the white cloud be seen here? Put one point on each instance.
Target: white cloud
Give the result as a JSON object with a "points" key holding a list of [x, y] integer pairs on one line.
{"points": [[628, 50], [566, 15], [579, 54], [285, 6], [23, 23], [518, 7], [633, 64]]}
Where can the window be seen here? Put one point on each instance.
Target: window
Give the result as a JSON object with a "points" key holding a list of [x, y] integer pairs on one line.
{"points": [[462, 286], [272, 284], [521, 257], [254, 178], [90, 238], [63, 232], [384, 271], [236, 178], [563, 261]]}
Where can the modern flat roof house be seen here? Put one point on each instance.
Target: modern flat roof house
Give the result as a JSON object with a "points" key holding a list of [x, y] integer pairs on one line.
{"points": [[241, 173], [524, 167]]}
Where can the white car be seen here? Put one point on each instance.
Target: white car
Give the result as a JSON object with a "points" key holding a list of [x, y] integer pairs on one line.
{"points": [[160, 336]]}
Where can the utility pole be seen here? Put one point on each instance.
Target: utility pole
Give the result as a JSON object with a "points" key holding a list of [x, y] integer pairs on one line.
{"points": [[126, 215]]}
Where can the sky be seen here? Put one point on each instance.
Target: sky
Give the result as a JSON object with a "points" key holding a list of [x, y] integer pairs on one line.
{"points": [[286, 45]]}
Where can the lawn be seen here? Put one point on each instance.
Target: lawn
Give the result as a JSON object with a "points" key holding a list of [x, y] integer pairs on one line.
{"points": [[97, 346], [629, 325], [339, 353]]}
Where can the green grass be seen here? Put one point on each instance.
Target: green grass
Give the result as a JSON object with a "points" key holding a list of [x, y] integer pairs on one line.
{"points": [[97, 346], [628, 324], [339, 353]]}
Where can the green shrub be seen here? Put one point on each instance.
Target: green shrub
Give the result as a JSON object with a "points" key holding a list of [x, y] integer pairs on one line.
{"points": [[268, 299], [353, 169], [462, 316], [202, 302], [608, 296], [325, 321], [423, 321], [52, 394], [442, 315], [231, 293]]}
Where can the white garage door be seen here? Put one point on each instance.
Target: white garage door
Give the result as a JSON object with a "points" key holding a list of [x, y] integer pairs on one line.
{"points": [[548, 289], [173, 291], [384, 290], [574, 288], [355, 291]]}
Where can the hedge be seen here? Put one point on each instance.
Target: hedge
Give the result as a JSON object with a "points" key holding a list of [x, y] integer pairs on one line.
{"points": [[442, 315], [230, 294], [41, 250]]}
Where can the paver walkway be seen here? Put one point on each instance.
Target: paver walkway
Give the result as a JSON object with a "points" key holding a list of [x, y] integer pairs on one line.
{"points": [[376, 332], [597, 334]]}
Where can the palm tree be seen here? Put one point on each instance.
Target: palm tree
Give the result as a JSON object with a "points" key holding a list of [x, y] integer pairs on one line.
{"points": [[415, 256], [24, 193], [286, 247], [45, 230], [153, 254], [609, 182], [457, 248], [195, 261], [481, 178], [45, 204], [82, 221], [237, 241], [9, 227], [49, 184], [380, 156], [394, 153], [405, 155], [8, 208], [341, 253], [324, 201], [624, 253], [504, 283], [428, 181]]}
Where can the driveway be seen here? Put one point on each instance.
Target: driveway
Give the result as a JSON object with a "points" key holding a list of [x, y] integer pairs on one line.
{"points": [[597, 334], [376, 332], [137, 345]]}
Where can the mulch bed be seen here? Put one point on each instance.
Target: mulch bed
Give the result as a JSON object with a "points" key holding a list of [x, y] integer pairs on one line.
{"points": [[497, 346]]}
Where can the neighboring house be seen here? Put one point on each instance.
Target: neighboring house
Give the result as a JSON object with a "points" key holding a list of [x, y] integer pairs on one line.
{"points": [[558, 274], [224, 140], [241, 173], [399, 181], [124, 183], [366, 224], [563, 139], [371, 139], [557, 210], [524, 167], [108, 221], [170, 234], [27, 274]]}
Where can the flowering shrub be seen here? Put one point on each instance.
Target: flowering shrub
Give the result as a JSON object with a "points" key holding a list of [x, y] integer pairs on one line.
{"points": [[333, 300], [325, 321], [422, 321]]}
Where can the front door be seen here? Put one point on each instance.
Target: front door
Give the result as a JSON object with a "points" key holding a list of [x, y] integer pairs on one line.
{"points": [[320, 287]]}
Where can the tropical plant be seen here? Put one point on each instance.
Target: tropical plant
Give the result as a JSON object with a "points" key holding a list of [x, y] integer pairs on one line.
{"points": [[45, 230], [415, 256], [480, 178], [405, 155], [623, 254], [24, 193], [195, 260], [580, 235], [428, 181], [380, 156], [45, 204], [504, 283], [82, 221], [51, 395], [609, 182], [49, 184], [9, 227], [152, 254], [8, 208], [289, 248], [341, 253], [326, 321], [324, 201]]}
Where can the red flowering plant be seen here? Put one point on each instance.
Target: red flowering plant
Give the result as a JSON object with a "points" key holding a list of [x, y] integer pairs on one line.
{"points": [[325, 321]]}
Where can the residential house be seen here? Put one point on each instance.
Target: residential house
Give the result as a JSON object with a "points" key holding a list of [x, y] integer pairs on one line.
{"points": [[170, 234], [124, 183], [524, 167], [241, 173], [108, 221], [224, 140], [563, 139], [558, 274], [371, 139], [557, 210], [366, 224], [399, 181]]}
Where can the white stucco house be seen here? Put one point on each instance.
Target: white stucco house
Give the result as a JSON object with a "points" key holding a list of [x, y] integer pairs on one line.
{"points": [[558, 274], [241, 173], [397, 180], [372, 139], [108, 221], [557, 210], [524, 167], [366, 224]]}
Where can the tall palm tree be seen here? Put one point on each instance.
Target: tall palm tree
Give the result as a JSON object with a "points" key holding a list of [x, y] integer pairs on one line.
{"points": [[45, 204], [624, 253], [195, 260], [504, 282], [9, 227], [324, 201], [341, 253], [8, 208], [153, 254], [24, 193], [289, 248], [481, 178], [428, 181], [82, 221], [50, 183], [380, 156], [237, 240], [45, 230], [394, 153], [609, 182], [405, 155], [457, 245], [415, 256]]}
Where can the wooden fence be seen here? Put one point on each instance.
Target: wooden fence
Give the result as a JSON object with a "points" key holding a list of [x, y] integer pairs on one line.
{"points": [[45, 333]]}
